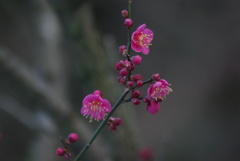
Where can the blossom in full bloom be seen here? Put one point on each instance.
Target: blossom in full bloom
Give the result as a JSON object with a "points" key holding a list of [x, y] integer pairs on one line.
{"points": [[95, 107], [159, 90], [141, 39]]}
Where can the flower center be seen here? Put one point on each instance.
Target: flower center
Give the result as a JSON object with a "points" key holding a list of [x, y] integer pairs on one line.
{"points": [[160, 92], [156, 94], [144, 40], [95, 106]]}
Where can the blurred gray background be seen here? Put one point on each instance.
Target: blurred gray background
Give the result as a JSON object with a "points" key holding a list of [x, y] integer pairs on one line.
{"points": [[53, 53]]}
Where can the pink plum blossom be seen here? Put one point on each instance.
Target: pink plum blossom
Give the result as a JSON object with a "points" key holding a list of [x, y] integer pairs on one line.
{"points": [[159, 90], [141, 39], [95, 107]]}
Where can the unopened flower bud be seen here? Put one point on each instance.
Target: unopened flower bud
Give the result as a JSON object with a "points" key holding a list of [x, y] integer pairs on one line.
{"points": [[125, 13], [122, 49], [139, 83], [113, 122], [73, 137], [123, 72], [130, 66], [128, 23], [135, 101], [136, 77], [135, 94], [117, 121], [156, 77], [129, 84], [112, 127], [121, 80], [60, 151], [136, 59], [146, 100], [118, 66]]}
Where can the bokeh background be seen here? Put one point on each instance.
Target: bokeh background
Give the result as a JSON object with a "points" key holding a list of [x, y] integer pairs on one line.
{"points": [[53, 53]]}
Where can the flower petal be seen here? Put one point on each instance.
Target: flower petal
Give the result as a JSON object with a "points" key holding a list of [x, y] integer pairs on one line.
{"points": [[107, 105], [153, 107], [148, 32], [136, 47], [141, 27], [145, 50], [90, 98]]}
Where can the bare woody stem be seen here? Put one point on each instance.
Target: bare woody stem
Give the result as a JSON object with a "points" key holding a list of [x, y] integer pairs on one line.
{"points": [[97, 131], [129, 38], [119, 101]]}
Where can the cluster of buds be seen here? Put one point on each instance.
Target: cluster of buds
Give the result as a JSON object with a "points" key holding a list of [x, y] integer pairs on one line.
{"points": [[63, 151], [113, 122], [128, 21], [125, 68]]}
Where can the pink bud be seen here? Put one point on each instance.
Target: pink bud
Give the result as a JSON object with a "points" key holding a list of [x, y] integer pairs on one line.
{"points": [[139, 83], [118, 66], [135, 94], [61, 151], [125, 13], [129, 84], [136, 77], [135, 101], [129, 65], [117, 121], [156, 77], [73, 137], [128, 23], [123, 63], [98, 92], [122, 49], [123, 72], [136, 59], [146, 100], [112, 127], [121, 80]]}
